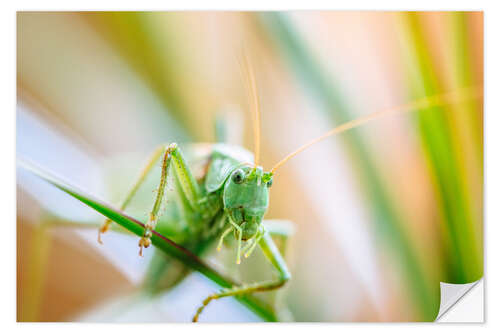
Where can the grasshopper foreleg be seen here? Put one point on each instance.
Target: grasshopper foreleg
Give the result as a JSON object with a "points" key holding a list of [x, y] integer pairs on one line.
{"points": [[274, 256]]}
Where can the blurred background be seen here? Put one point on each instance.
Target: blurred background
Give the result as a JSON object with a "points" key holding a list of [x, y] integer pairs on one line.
{"points": [[382, 213]]}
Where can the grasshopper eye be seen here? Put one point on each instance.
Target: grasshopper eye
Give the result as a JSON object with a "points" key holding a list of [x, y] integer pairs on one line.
{"points": [[238, 176], [270, 183]]}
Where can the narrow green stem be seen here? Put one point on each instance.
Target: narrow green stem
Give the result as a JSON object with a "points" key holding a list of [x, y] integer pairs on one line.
{"points": [[158, 240]]}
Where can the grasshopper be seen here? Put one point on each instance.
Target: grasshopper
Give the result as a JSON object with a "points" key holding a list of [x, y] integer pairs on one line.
{"points": [[232, 194], [231, 197]]}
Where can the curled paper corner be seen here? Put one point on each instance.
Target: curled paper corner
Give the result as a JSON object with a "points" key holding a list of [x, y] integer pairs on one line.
{"points": [[451, 294]]}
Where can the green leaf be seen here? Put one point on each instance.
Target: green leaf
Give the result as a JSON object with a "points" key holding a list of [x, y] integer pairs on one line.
{"points": [[158, 240]]}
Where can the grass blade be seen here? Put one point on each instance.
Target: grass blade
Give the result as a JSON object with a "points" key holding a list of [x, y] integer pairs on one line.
{"points": [[159, 241], [336, 106]]}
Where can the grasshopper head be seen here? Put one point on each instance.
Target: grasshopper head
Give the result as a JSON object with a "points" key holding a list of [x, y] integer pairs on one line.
{"points": [[246, 198]]}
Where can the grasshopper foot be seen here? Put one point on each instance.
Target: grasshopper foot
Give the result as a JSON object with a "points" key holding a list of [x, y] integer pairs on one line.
{"points": [[103, 229], [145, 241]]}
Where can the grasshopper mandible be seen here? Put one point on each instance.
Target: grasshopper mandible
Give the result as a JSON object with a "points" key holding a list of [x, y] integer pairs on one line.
{"points": [[232, 196]]}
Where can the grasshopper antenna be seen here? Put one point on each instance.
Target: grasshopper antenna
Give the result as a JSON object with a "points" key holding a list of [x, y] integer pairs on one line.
{"points": [[435, 100], [251, 88]]}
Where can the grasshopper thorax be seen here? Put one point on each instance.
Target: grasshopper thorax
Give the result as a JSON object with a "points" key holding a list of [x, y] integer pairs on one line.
{"points": [[246, 198]]}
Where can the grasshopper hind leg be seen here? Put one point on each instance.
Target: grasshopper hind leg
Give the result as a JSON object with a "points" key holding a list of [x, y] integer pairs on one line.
{"points": [[133, 190], [187, 186], [103, 229], [145, 240]]}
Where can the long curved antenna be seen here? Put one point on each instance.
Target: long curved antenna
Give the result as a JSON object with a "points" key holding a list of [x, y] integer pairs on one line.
{"points": [[436, 100], [251, 88]]}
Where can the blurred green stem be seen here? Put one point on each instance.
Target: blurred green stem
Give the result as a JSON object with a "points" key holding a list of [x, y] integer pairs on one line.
{"points": [[440, 139], [38, 258], [322, 87]]}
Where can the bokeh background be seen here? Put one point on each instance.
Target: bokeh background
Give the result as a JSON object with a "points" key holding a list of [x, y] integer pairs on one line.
{"points": [[383, 213]]}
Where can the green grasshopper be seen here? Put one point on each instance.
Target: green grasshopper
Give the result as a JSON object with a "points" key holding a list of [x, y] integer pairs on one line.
{"points": [[232, 194]]}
